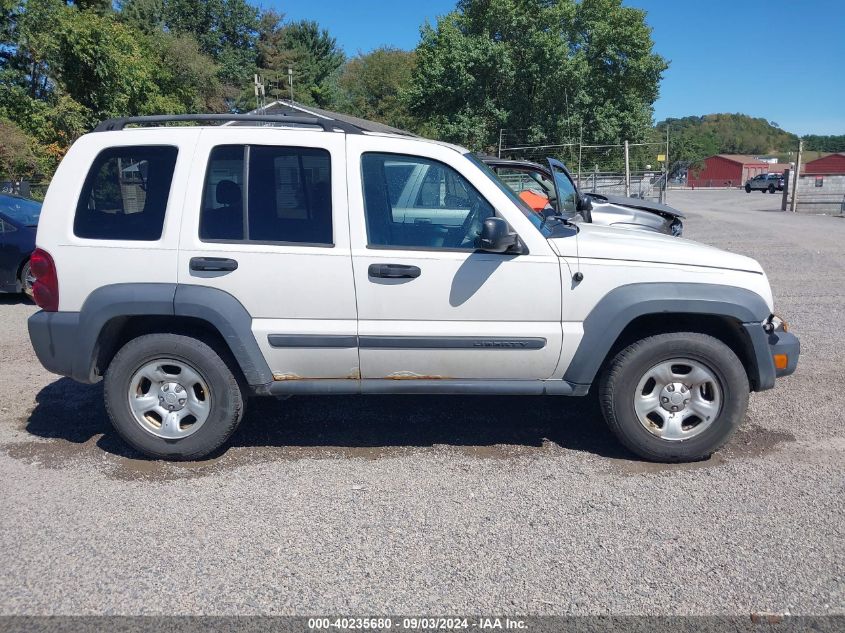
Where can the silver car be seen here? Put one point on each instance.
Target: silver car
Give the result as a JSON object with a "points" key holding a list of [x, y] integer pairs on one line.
{"points": [[764, 183], [552, 186]]}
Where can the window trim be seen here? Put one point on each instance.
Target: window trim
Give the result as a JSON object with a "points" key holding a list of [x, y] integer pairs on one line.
{"points": [[436, 249], [247, 147], [89, 176], [268, 243]]}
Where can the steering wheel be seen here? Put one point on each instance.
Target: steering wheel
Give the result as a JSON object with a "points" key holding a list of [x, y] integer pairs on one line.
{"points": [[471, 227]]}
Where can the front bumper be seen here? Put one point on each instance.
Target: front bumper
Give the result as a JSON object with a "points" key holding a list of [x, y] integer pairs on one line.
{"points": [[785, 344], [767, 346]]}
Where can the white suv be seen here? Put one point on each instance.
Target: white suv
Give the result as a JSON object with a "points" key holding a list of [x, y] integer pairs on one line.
{"points": [[192, 266]]}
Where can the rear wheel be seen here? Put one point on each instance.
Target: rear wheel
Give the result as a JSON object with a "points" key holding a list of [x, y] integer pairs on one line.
{"points": [[674, 397], [26, 279], [172, 397]]}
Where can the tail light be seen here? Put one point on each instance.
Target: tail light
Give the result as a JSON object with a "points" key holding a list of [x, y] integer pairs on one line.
{"points": [[45, 288]]}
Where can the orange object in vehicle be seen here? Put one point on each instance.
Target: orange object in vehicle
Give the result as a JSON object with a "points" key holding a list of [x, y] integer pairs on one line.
{"points": [[536, 201]]}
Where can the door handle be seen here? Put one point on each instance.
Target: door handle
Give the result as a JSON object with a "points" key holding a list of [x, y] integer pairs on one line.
{"points": [[394, 271], [215, 264]]}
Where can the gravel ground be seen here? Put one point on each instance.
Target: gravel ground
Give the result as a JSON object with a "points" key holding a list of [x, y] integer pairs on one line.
{"points": [[453, 504]]}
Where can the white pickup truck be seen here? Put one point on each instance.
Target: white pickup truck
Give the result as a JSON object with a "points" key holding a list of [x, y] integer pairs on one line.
{"points": [[192, 266]]}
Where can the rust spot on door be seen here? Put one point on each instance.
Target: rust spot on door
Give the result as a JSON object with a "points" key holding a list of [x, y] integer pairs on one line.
{"points": [[409, 375], [287, 376]]}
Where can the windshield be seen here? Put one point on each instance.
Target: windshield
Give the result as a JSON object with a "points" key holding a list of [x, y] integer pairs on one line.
{"points": [[20, 210], [522, 179], [529, 213]]}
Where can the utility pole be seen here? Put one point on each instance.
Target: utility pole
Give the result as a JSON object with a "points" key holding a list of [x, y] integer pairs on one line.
{"points": [[501, 132], [666, 177], [580, 147], [793, 205], [627, 173], [787, 187], [290, 81]]}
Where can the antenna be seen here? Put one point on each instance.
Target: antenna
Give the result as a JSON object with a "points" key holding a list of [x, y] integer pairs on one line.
{"points": [[290, 81], [258, 88]]}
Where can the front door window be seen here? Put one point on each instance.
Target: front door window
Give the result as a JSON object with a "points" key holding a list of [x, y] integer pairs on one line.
{"points": [[417, 203]]}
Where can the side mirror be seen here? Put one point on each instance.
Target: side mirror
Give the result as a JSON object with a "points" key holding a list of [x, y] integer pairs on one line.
{"points": [[584, 203], [585, 208], [496, 236]]}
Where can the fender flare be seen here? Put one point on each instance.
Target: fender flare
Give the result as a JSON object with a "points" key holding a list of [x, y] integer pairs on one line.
{"points": [[232, 321], [619, 307], [217, 307]]}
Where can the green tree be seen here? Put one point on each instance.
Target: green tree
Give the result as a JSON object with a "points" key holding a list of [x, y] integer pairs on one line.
{"points": [[312, 54], [187, 74], [226, 30], [696, 137], [31, 43], [106, 67], [146, 16], [98, 6], [825, 143], [549, 67], [9, 12], [17, 160], [69, 67], [373, 86], [269, 40]]}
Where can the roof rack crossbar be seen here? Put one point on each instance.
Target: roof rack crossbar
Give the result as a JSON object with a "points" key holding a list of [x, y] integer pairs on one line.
{"points": [[328, 125]]}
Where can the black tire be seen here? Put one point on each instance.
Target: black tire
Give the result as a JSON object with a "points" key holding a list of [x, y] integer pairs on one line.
{"points": [[620, 380], [26, 285], [747, 188], [227, 401], [771, 188]]}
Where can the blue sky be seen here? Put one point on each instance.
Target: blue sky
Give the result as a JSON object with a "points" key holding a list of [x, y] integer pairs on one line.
{"points": [[783, 60]]}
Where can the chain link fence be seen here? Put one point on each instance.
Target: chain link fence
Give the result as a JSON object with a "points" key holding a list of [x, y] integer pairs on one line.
{"points": [[625, 169]]}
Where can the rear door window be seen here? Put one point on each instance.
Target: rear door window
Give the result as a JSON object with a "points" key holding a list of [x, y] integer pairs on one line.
{"points": [[268, 194], [125, 194]]}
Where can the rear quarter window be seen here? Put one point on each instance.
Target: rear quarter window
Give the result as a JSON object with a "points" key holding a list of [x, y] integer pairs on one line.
{"points": [[125, 194]]}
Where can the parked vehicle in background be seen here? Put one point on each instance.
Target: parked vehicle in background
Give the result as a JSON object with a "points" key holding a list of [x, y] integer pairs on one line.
{"points": [[764, 183], [193, 266], [541, 186], [18, 221]]}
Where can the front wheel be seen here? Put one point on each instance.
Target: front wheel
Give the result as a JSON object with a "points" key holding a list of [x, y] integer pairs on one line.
{"points": [[747, 188], [674, 397], [771, 188], [172, 397]]}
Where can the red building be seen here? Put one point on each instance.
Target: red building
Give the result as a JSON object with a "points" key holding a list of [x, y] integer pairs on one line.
{"points": [[830, 164], [729, 170]]}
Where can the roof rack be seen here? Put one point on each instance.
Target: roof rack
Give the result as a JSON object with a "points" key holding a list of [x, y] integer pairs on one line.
{"points": [[328, 125]]}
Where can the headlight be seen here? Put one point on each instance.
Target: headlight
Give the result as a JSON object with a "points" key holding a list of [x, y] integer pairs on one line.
{"points": [[776, 324], [677, 228]]}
